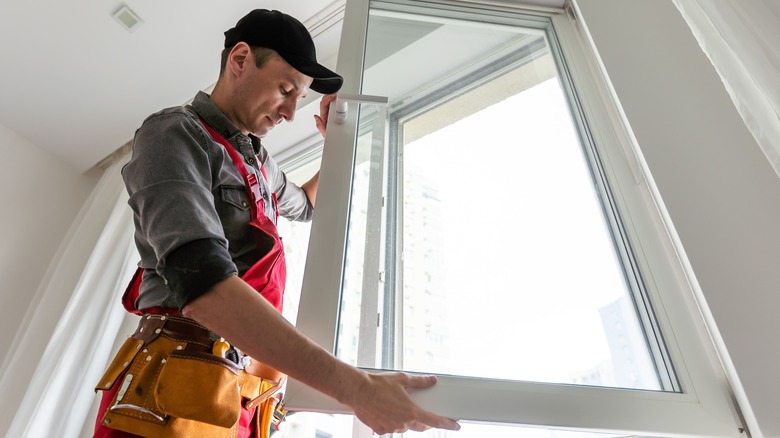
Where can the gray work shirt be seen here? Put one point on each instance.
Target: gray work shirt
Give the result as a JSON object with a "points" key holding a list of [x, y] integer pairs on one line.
{"points": [[190, 206]]}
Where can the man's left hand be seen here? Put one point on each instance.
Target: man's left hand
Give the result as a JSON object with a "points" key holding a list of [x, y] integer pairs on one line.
{"points": [[322, 120]]}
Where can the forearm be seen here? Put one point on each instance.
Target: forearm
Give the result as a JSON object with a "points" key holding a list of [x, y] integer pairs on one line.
{"points": [[244, 318], [310, 187], [239, 314]]}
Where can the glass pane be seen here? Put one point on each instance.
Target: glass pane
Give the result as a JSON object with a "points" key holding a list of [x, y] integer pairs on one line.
{"points": [[478, 242], [503, 234], [360, 289], [295, 236]]}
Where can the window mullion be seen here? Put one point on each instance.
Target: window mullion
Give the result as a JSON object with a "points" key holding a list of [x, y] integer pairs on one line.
{"points": [[391, 311], [369, 307]]}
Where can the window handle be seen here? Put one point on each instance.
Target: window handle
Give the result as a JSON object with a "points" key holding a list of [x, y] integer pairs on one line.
{"points": [[343, 99]]}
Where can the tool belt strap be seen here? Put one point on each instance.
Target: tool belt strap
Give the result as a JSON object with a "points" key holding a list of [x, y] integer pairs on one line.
{"points": [[198, 337], [175, 328]]}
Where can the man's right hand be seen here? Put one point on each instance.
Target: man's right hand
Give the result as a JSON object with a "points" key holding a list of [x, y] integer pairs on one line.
{"points": [[383, 404]]}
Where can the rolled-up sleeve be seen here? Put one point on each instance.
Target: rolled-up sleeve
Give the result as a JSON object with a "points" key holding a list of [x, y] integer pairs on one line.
{"points": [[169, 180]]}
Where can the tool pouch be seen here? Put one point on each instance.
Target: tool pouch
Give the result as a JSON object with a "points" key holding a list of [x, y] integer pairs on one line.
{"points": [[171, 385], [200, 387]]}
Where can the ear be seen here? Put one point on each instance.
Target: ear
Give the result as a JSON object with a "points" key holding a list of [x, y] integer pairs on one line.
{"points": [[239, 58]]}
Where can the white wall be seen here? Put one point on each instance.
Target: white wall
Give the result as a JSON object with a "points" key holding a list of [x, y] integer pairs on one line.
{"points": [[41, 198], [720, 191]]}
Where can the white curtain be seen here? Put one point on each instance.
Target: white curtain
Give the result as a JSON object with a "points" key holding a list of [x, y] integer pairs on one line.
{"points": [[742, 39], [59, 398]]}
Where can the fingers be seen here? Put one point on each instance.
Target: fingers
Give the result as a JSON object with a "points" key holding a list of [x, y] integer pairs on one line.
{"points": [[326, 100], [419, 427], [395, 411], [321, 120], [325, 105], [427, 418], [432, 420], [420, 382], [423, 420], [321, 124]]}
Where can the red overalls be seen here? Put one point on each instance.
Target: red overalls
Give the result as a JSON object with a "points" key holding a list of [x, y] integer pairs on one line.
{"points": [[267, 276]]}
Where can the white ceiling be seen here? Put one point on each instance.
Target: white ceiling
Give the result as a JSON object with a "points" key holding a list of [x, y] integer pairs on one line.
{"points": [[77, 84]]}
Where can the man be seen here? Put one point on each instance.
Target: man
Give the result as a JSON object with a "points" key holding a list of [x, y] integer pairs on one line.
{"points": [[205, 196]]}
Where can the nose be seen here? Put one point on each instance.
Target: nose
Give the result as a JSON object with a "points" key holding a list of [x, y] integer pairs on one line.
{"points": [[287, 110]]}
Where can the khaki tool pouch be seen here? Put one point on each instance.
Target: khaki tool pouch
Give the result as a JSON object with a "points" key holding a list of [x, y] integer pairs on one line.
{"points": [[171, 385], [201, 387]]}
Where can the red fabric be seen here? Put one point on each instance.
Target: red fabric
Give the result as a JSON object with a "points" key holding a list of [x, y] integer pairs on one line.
{"points": [[131, 293], [267, 276]]}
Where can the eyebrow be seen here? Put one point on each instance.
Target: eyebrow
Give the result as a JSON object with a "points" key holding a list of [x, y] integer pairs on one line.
{"points": [[297, 91], [289, 79]]}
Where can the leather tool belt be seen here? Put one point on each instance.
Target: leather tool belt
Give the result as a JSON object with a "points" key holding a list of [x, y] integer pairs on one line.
{"points": [[172, 384]]}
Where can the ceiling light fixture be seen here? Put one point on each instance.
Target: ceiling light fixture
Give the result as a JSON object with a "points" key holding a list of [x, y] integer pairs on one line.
{"points": [[127, 18]]}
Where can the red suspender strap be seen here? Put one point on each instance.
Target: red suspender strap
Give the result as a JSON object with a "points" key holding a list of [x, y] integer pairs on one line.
{"points": [[252, 185]]}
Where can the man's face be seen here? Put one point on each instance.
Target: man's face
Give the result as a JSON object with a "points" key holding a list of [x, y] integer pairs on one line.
{"points": [[268, 95]]}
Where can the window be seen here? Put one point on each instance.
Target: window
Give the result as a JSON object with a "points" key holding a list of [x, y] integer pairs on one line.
{"points": [[477, 219], [492, 225], [295, 235]]}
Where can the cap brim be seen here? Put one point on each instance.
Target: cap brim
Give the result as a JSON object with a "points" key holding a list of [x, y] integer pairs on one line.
{"points": [[325, 81], [327, 86]]}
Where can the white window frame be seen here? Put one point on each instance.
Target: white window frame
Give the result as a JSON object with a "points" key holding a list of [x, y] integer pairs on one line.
{"points": [[703, 408]]}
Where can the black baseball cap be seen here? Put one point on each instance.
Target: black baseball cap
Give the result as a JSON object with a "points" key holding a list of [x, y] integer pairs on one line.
{"points": [[290, 39]]}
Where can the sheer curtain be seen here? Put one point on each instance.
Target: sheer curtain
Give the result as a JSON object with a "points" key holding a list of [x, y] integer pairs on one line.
{"points": [[59, 397], [741, 39]]}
